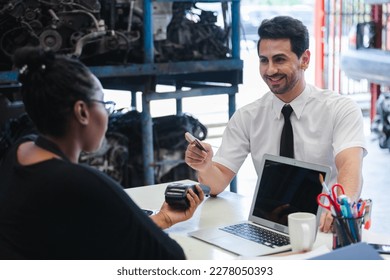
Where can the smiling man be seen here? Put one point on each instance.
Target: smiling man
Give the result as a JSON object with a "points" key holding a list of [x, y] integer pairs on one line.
{"points": [[326, 128]]}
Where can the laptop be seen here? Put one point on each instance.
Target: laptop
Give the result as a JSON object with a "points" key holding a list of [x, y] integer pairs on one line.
{"points": [[284, 186]]}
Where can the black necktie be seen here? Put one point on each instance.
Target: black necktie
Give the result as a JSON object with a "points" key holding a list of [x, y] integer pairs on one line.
{"points": [[287, 138]]}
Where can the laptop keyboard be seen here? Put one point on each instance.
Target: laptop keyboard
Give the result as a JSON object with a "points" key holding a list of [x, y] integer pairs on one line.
{"points": [[258, 234]]}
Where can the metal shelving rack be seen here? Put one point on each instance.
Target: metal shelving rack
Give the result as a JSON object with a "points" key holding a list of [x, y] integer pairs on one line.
{"points": [[203, 78]]}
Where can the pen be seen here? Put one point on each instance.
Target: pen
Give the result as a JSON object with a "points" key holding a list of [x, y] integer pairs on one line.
{"points": [[324, 185], [346, 206], [331, 201], [360, 208], [355, 210], [367, 214]]}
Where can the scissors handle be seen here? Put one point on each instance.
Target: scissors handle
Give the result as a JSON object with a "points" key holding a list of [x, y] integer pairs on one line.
{"points": [[335, 191], [321, 198]]}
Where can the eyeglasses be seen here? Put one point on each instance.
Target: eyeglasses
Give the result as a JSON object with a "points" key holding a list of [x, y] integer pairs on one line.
{"points": [[108, 105]]}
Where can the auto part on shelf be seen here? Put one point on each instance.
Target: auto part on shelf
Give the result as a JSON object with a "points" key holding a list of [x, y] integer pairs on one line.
{"points": [[110, 32]]}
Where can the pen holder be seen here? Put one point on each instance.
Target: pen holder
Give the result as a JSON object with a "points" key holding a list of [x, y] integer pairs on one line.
{"points": [[346, 231]]}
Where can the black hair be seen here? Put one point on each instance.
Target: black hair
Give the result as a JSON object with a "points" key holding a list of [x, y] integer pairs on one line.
{"points": [[51, 84], [285, 27]]}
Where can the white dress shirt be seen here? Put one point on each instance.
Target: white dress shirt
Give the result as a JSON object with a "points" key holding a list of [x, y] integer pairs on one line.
{"points": [[324, 123]]}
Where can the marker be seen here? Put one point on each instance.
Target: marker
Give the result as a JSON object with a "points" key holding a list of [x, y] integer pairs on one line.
{"points": [[348, 214]]}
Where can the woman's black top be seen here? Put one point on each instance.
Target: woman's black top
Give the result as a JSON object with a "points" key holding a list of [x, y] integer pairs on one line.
{"points": [[59, 210]]}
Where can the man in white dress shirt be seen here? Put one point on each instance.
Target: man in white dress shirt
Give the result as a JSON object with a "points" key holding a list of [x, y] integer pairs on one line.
{"points": [[327, 127]]}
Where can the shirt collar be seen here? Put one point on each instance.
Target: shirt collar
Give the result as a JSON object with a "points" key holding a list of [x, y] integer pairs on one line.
{"points": [[297, 104]]}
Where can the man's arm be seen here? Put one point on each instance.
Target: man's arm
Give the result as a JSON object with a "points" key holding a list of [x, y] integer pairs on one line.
{"points": [[349, 163], [217, 177]]}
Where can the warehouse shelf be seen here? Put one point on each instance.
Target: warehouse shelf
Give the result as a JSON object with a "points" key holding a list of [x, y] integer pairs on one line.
{"points": [[199, 78]]}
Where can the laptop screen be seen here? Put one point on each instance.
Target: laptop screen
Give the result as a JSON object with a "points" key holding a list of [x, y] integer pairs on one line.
{"points": [[286, 188]]}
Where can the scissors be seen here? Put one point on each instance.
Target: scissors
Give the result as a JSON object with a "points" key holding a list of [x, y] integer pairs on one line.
{"points": [[325, 201], [337, 190], [330, 200]]}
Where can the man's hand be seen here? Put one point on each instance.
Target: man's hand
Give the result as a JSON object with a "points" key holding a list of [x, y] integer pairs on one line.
{"points": [[199, 159], [326, 222]]}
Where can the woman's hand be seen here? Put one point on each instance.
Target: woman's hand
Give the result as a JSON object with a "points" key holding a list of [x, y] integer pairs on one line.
{"points": [[168, 215]]}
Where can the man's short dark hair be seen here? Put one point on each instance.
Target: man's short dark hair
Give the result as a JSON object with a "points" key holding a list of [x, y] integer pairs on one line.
{"points": [[285, 27]]}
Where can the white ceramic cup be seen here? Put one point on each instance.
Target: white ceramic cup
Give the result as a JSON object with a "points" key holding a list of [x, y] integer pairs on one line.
{"points": [[302, 230]]}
